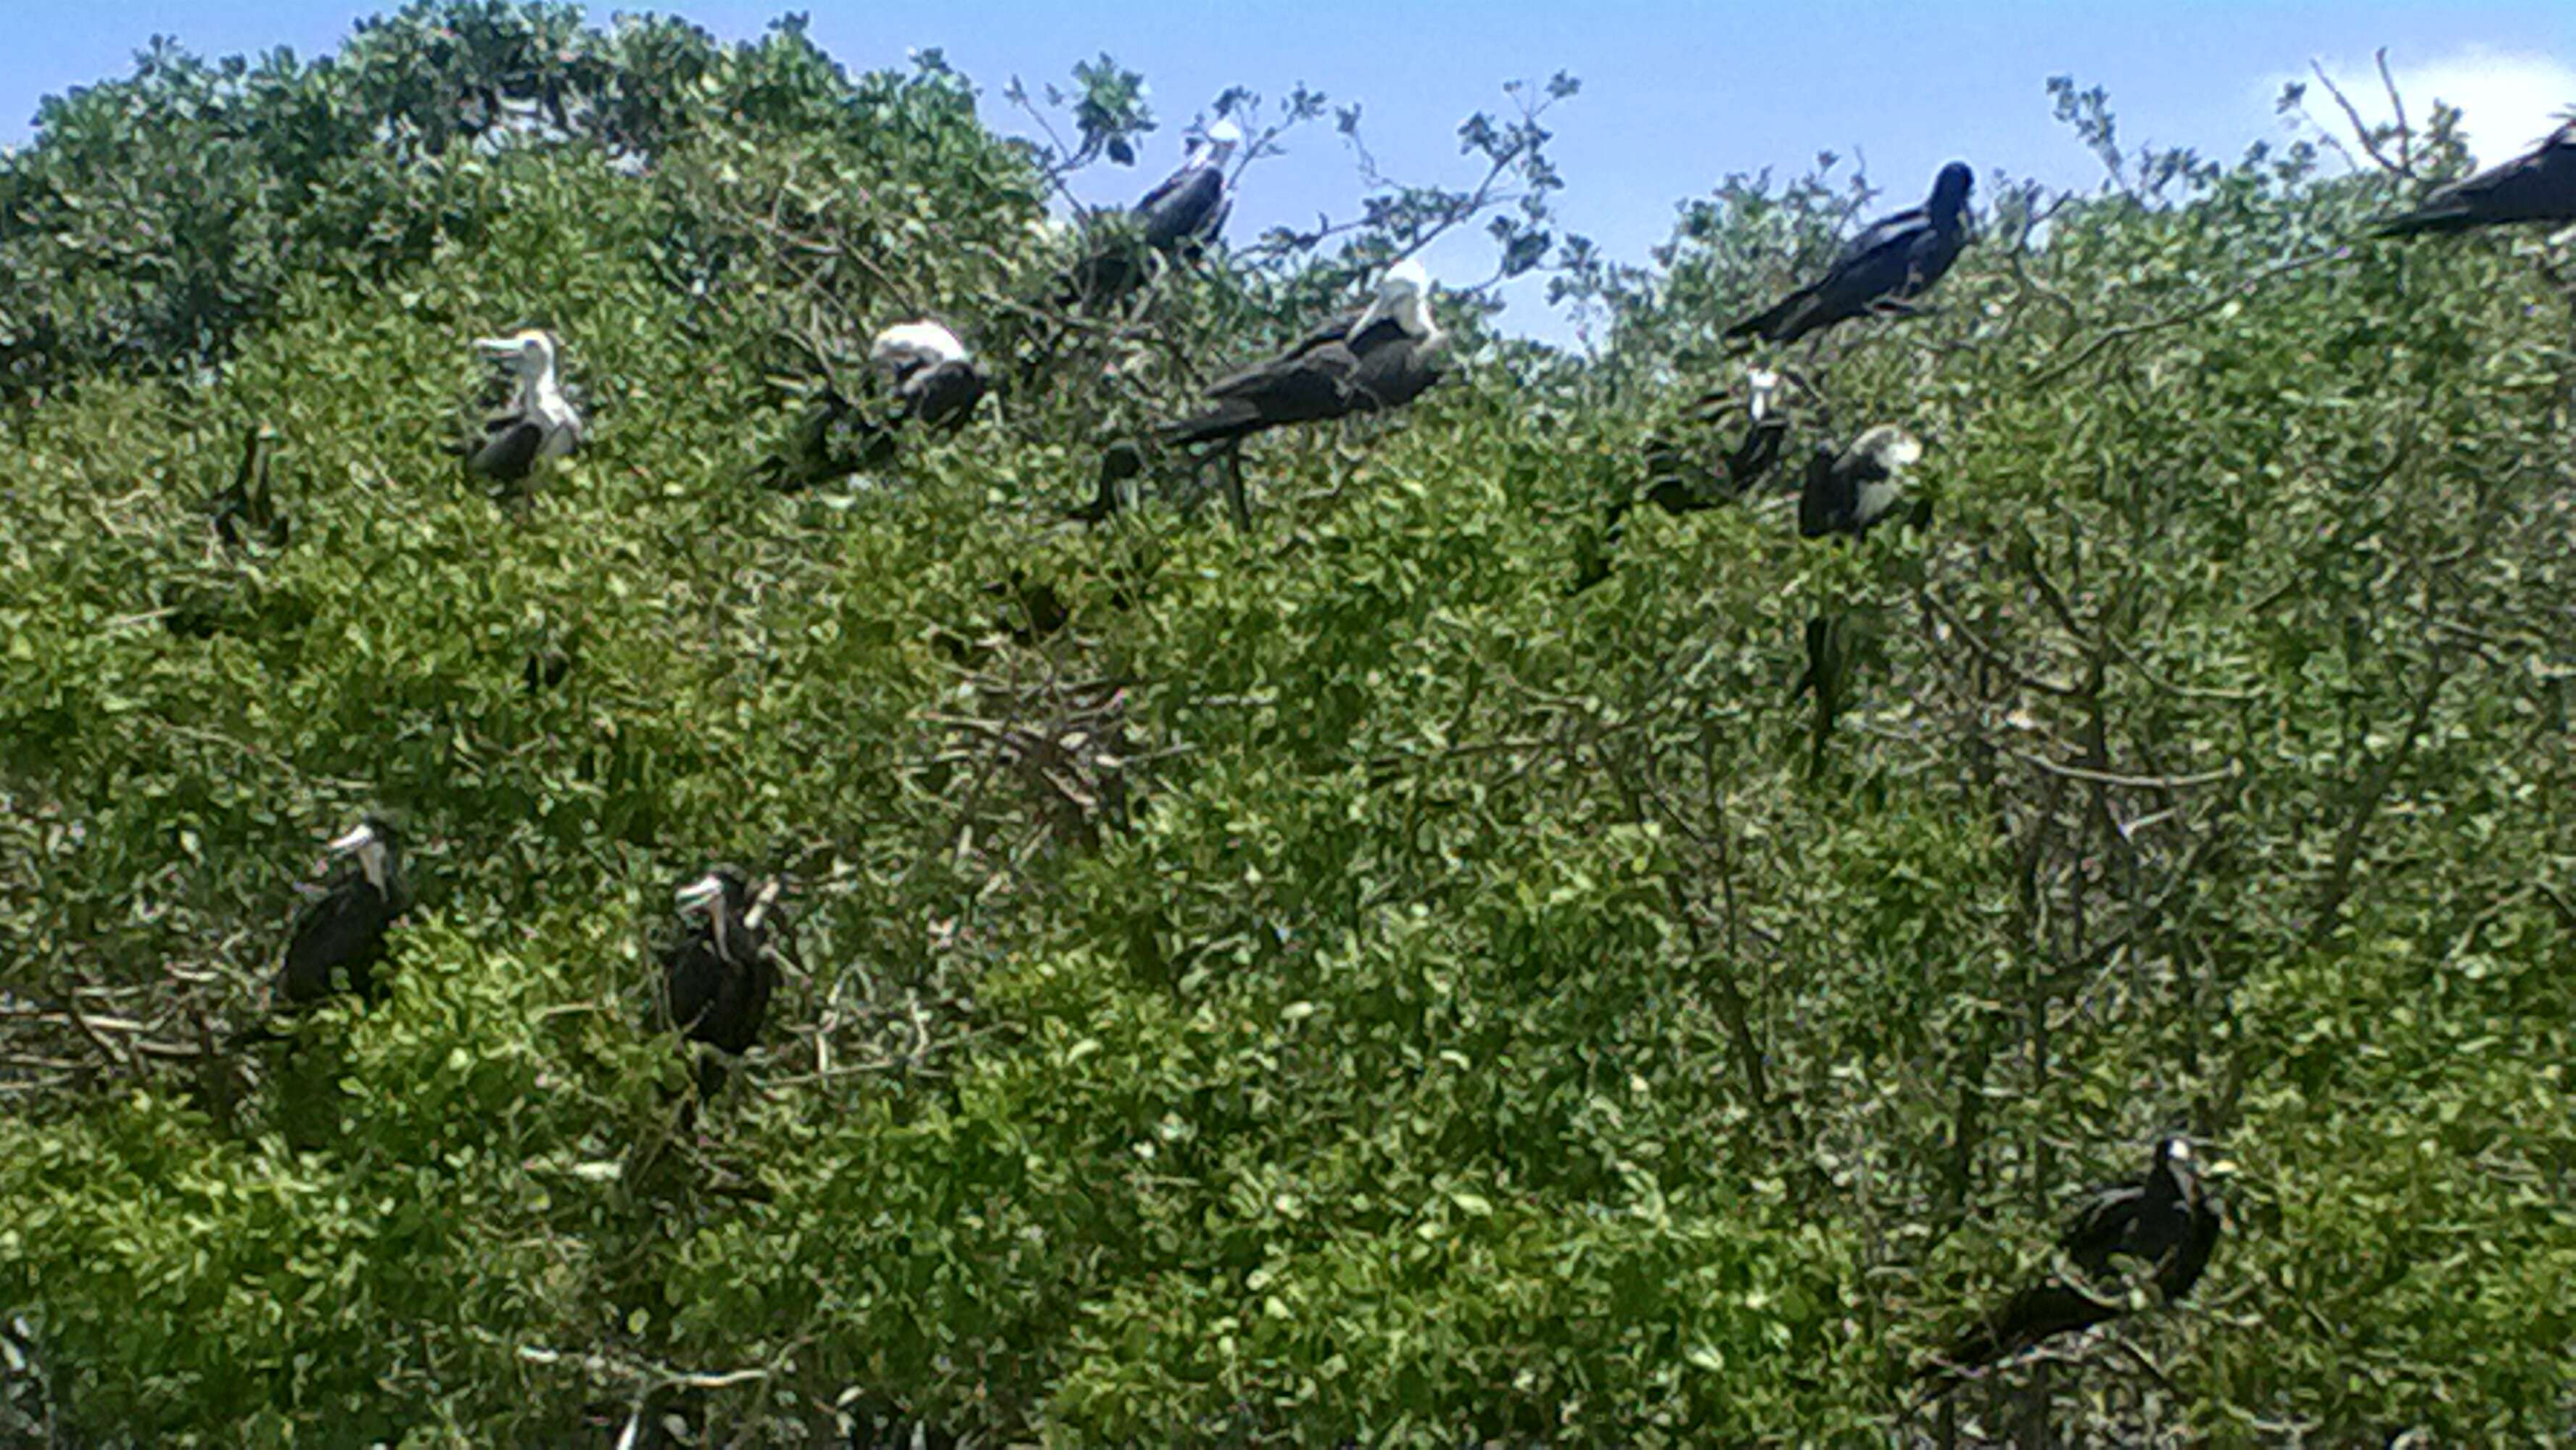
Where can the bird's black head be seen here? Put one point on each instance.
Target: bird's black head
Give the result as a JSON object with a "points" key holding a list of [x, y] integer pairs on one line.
{"points": [[1950, 190]]}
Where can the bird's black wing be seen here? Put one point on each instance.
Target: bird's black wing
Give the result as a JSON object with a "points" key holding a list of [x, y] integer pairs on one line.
{"points": [[1825, 503], [1182, 208], [509, 449], [2042, 1311], [2538, 187], [1392, 370], [943, 396], [2106, 1224], [1898, 229], [343, 929], [691, 976]]}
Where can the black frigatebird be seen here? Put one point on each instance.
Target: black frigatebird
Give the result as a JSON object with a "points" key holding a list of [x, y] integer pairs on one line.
{"points": [[928, 377], [538, 421], [1898, 258], [2166, 1222], [1380, 358], [717, 975], [341, 933], [246, 510], [1180, 216], [2537, 187], [1848, 492], [1377, 359]]}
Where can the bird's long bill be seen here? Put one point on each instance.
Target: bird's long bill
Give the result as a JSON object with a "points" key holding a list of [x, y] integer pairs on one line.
{"points": [[499, 349], [1375, 314], [700, 894], [356, 839]]}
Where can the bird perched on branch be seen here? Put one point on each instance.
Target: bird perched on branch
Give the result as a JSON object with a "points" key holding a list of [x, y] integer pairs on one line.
{"points": [[537, 422], [719, 972], [2165, 1222], [1378, 358], [339, 935], [246, 509], [1179, 217], [928, 378], [1848, 492], [1897, 259], [2536, 187]]}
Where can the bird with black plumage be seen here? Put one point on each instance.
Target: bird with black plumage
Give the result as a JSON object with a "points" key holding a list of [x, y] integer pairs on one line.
{"points": [[926, 380], [1374, 360], [719, 970], [1175, 221], [2159, 1230], [338, 937], [1881, 272], [2538, 186]]}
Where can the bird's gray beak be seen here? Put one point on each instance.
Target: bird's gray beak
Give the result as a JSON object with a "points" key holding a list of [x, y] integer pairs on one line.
{"points": [[369, 849], [698, 895]]}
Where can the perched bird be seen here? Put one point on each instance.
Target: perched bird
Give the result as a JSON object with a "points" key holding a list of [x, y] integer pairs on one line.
{"points": [[2166, 1222], [1121, 464], [717, 975], [2538, 187], [1832, 643], [537, 423], [246, 508], [927, 377], [1379, 358], [1190, 206], [1896, 259], [933, 378], [1179, 217], [1682, 477], [342, 931], [1847, 493]]}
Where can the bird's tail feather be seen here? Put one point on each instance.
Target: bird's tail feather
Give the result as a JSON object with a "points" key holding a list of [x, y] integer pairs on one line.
{"points": [[1776, 321], [2042, 1311], [1232, 418]]}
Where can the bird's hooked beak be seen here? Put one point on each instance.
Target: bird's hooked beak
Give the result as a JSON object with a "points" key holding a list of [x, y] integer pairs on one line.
{"points": [[700, 895], [368, 847], [1404, 294], [528, 354]]}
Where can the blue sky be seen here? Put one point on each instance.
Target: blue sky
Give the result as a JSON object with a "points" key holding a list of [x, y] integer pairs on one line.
{"points": [[1675, 95]]}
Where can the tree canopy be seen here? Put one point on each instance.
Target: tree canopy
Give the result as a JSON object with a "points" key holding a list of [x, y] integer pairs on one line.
{"points": [[1325, 982]]}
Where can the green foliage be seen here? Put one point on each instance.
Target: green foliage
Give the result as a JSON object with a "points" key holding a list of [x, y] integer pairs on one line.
{"points": [[1338, 985]]}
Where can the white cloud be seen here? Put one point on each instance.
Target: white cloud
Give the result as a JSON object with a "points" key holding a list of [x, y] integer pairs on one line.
{"points": [[2508, 99]]}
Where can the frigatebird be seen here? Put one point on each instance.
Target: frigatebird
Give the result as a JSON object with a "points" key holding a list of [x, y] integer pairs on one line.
{"points": [[246, 509], [538, 421], [1180, 216], [341, 933], [1848, 492], [2166, 1222], [928, 378], [718, 974], [934, 378], [1681, 475], [1379, 358], [1896, 259], [2537, 187]]}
